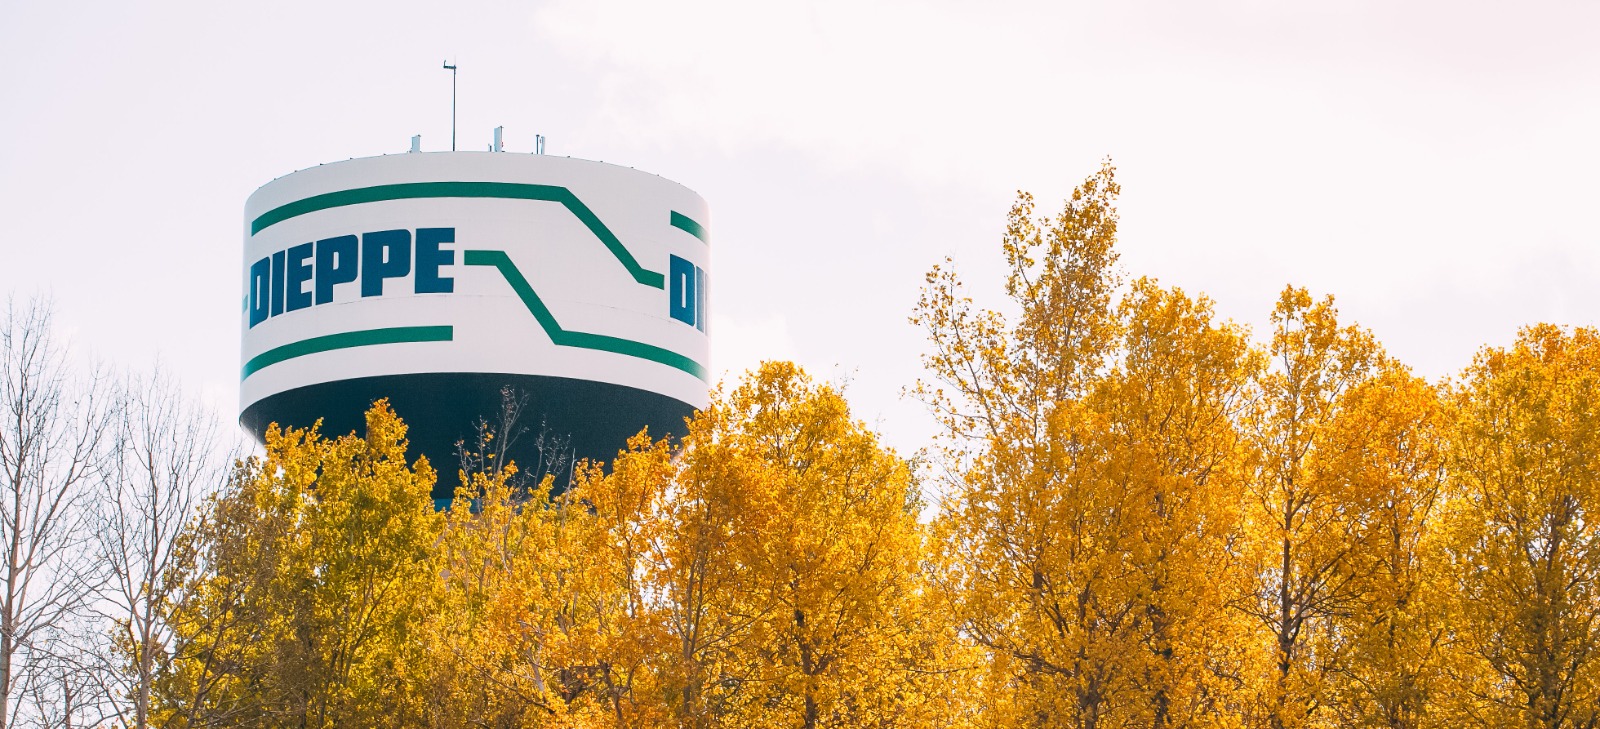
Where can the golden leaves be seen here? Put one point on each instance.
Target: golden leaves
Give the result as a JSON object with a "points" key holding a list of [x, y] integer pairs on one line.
{"points": [[1143, 519]]}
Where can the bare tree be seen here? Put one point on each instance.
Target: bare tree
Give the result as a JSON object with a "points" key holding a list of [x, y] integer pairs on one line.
{"points": [[53, 429], [65, 687], [492, 449], [168, 452]]}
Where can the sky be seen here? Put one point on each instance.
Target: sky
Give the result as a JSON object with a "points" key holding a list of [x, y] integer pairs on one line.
{"points": [[1433, 165]]}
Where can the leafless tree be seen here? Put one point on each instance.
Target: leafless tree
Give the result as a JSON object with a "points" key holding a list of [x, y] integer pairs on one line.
{"points": [[65, 688], [53, 431], [491, 450], [168, 453]]}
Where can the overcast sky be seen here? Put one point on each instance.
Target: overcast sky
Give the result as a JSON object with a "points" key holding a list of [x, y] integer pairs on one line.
{"points": [[1435, 166]]}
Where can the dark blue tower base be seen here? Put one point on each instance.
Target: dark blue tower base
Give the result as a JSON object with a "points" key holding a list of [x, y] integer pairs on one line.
{"points": [[443, 408]]}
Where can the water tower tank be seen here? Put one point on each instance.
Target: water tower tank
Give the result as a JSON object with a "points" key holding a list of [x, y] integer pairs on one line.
{"points": [[438, 279]]}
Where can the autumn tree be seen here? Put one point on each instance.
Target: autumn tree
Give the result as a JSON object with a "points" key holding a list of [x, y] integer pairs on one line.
{"points": [[765, 572], [544, 617], [492, 635], [1017, 530], [1523, 548], [705, 616], [1166, 440], [817, 619], [1390, 444], [1308, 519], [304, 586], [1093, 481]]}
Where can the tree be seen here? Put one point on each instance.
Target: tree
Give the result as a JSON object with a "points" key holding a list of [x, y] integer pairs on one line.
{"points": [[624, 640], [1309, 520], [789, 568], [1018, 533], [764, 573], [1390, 442], [53, 429], [1523, 548], [543, 619], [166, 454], [1166, 438], [304, 584], [493, 635], [1094, 480], [707, 620]]}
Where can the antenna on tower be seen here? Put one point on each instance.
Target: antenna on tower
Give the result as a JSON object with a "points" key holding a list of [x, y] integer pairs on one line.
{"points": [[448, 66]]}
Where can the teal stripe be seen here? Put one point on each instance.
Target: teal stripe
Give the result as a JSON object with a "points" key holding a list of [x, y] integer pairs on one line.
{"points": [[684, 223], [563, 338], [346, 340], [498, 190]]}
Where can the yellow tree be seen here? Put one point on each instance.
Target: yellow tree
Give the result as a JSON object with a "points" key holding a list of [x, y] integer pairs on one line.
{"points": [[1524, 551], [624, 642], [304, 586], [492, 634], [1018, 532], [702, 590], [1094, 478], [1168, 443], [1309, 520], [806, 611], [1389, 443], [544, 618], [767, 573]]}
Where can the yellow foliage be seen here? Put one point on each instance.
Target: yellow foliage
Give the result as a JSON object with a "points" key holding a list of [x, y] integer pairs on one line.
{"points": [[1390, 444], [1096, 479], [1144, 520], [767, 572], [791, 573], [1524, 554], [304, 587], [1307, 521]]}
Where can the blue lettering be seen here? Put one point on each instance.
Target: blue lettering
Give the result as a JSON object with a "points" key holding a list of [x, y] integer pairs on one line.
{"points": [[260, 281], [277, 283], [687, 289], [700, 290], [681, 294], [336, 264], [297, 275], [430, 258], [385, 254]]}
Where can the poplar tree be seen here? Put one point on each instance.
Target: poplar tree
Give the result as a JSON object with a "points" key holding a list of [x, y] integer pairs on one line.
{"points": [[1094, 480], [1308, 519], [1391, 443], [790, 569], [1523, 548], [1021, 524], [1167, 434], [304, 586]]}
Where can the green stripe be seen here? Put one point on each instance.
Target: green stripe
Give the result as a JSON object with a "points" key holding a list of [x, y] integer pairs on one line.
{"points": [[684, 223], [499, 190], [563, 338], [346, 340]]}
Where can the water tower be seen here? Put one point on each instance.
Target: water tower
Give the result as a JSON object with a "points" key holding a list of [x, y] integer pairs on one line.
{"points": [[438, 279]]}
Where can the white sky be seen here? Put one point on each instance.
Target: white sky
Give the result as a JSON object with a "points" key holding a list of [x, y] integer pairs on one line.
{"points": [[1435, 167]]}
